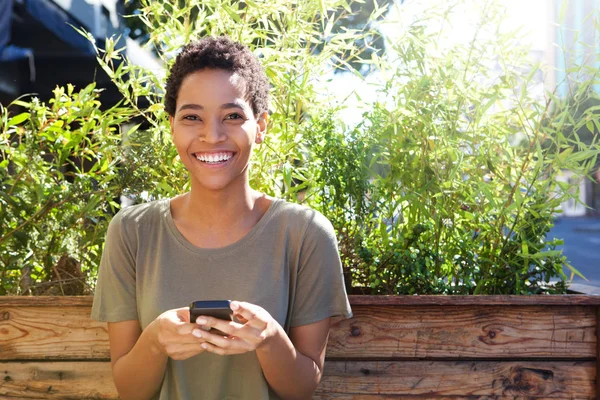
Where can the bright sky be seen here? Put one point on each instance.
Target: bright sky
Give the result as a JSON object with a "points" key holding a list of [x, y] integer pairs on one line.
{"points": [[534, 15]]}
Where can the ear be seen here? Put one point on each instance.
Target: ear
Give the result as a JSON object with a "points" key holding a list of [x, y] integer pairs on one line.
{"points": [[261, 128], [171, 124]]}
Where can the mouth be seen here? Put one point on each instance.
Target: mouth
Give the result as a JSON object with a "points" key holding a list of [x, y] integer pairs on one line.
{"points": [[214, 158]]}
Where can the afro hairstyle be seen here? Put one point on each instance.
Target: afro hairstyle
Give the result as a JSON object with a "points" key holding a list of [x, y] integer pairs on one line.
{"points": [[219, 53]]}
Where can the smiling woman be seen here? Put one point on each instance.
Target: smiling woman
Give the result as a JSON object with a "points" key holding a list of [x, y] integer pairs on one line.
{"points": [[215, 127], [221, 240]]}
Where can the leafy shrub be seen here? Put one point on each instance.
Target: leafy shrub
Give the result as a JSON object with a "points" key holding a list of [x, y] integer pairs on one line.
{"points": [[59, 176], [128, 150], [447, 185]]}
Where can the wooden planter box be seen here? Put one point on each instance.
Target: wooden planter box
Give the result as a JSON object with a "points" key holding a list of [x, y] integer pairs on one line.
{"points": [[395, 347]]}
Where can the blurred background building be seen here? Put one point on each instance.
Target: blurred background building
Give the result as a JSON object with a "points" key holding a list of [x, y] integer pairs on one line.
{"points": [[575, 40], [39, 49]]}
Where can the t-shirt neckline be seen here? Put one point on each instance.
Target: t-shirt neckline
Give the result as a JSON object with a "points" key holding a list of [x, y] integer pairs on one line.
{"points": [[219, 251]]}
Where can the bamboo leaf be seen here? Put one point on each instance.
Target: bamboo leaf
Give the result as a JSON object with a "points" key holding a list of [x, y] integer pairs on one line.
{"points": [[18, 119]]}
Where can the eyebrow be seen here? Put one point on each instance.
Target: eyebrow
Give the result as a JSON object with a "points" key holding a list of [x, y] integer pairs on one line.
{"points": [[235, 104]]}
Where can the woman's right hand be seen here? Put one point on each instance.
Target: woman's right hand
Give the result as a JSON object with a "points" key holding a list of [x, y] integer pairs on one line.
{"points": [[172, 332]]}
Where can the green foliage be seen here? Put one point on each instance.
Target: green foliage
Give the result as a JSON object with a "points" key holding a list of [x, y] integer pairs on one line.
{"points": [[353, 15], [446, 186], [449, 183], [284, 35], [59, 175], [65, 163]]}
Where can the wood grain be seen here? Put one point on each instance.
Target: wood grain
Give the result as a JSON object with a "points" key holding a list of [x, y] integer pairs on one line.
{"points": [[465, 380], [471, 332], [68, 333], [347, 396], [491, 300], [51, 333], [46, 301], [350, 380], [424, 300], [57, 380], [597, 350]]}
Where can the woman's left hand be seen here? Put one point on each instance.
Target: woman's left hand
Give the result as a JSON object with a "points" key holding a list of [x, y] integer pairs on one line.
{"points": [[254, 330]]}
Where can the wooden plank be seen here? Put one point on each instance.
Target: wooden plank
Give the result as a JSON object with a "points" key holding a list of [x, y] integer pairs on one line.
{"points": [[496, 300], [350, 380], [423, 300], [46, 301], [597, 349], [57, 380], [51, 333], [474, 332], [343, 396], [464, 379], [68, 333]]}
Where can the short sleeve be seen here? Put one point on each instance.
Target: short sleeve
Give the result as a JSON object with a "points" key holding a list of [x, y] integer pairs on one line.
{"points": [[320, 290], [115, 296]]}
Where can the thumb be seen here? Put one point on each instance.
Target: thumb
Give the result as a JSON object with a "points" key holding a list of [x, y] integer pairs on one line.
{"points": [[240, 318], [183, 314]]}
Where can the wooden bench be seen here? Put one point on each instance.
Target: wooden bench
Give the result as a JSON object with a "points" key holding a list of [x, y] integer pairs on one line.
{"points": [[401, 347]]}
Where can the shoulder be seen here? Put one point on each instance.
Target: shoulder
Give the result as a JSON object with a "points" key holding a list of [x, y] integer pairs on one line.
{"points": [[141, 213], [310, 221], [133, 218]]}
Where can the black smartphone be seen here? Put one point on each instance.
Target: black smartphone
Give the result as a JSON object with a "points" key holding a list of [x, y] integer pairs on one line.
{"points": [[212, 308]]}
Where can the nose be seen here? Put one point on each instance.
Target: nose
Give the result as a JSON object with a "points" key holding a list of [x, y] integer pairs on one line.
{"points": [[212, 131]]}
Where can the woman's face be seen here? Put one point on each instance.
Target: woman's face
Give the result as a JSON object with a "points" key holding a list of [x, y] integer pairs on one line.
{"points": [[214, 128]]}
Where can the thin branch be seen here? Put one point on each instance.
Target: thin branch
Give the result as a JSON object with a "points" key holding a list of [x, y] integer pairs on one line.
{"points": [[44, 210]]}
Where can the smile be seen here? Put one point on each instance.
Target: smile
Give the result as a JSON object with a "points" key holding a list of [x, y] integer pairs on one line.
{"points": [[214, 158]]}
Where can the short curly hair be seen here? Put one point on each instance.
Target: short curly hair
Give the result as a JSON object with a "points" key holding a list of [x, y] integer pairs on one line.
{"points": [[219, 53]]}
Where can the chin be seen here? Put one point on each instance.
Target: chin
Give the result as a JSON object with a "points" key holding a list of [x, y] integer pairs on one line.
{"points": [[217, 184]]}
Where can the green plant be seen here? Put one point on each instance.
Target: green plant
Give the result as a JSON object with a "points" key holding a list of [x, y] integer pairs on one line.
{"points": [[59, 176], [128, 150], [448, 185], [296, 47]]}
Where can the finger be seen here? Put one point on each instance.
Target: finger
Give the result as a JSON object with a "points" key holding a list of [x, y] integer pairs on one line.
{"points": [[188, 329], [253, 314], [185, 335], [185, 329], [223, 351], [177, 316], [233, 343], [184, 351], [240, 318], [227, 327], [250, 334], [184, 314], [173, 321], [247, 332]]}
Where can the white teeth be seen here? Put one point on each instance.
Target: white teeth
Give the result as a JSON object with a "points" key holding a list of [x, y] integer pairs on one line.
{"points": [[214, 158]]}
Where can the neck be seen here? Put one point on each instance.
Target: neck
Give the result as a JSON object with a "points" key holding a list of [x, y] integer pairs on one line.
{"points": [[219, 208]]}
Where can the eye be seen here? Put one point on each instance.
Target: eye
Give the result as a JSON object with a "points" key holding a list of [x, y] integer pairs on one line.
{"points": [[235, 116], [191, 118]]}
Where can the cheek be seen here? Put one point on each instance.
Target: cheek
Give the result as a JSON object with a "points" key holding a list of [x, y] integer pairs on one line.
{"points": [[182, 134]]}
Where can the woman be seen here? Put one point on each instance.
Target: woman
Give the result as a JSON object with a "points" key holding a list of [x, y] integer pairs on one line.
{"points": [[221, 240]]}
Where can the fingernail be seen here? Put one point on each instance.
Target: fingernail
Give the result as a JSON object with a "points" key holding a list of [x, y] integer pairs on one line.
{"points": [[235, 306], [197, 333], [201, 321]]}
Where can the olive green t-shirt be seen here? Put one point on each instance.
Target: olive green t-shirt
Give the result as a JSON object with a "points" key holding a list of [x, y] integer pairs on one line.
{"points": [[288, 264]]}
